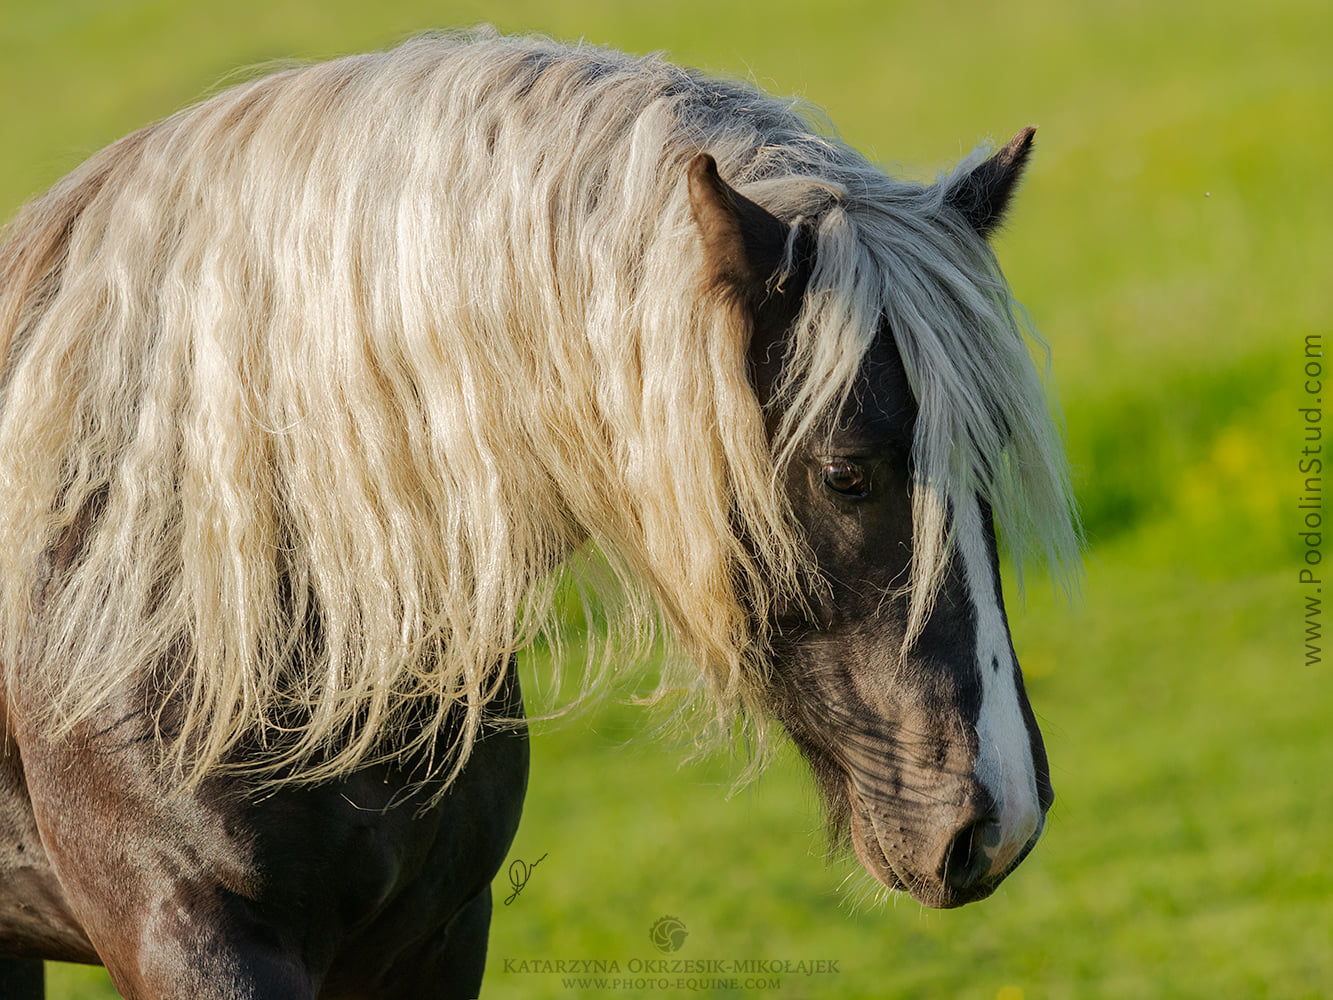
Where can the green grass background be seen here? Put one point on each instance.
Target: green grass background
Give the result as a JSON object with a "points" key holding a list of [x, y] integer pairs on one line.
{"points": [[1172, 243]]}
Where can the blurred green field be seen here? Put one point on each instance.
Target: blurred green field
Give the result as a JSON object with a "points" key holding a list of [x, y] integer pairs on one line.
{"points": [[1172, 243]]}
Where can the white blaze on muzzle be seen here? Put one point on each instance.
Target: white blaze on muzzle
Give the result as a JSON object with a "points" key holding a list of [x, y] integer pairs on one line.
{"points": [[1004, 758]]}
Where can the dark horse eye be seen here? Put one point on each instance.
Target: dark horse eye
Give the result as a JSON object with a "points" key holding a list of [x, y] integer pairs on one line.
{"points": [[846, 478]]}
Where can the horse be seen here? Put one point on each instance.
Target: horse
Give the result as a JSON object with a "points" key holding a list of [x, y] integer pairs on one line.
{"points": [[317, 394]]}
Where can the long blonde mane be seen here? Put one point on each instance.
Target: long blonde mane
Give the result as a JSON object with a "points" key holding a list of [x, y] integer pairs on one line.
{"points": [[332, 372]]}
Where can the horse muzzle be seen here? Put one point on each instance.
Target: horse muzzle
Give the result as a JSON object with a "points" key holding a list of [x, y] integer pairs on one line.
{"points": [[948, 848]]}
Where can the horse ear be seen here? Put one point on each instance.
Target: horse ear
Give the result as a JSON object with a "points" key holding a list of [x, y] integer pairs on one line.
{"points": [[983, 195], [743, 243]]}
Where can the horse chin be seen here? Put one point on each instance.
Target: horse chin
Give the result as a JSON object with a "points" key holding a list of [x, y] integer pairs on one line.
{"points": [[869, 850]]}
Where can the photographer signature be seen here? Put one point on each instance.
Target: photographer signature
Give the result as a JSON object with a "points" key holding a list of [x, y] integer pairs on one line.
{"points": [[519, 873]]}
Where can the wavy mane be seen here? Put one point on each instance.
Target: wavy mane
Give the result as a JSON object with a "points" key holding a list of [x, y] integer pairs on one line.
{"points": [[331, 372]]}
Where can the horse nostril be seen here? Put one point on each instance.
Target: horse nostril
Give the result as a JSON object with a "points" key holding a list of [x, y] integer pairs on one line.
{"points": [[967, 862]]}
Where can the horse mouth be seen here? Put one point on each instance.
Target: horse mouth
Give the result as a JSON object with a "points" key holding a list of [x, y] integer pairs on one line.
{"points": [[885, 853]]}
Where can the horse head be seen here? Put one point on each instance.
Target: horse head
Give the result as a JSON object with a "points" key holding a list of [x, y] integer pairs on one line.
{"points": [[917, 729]]}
